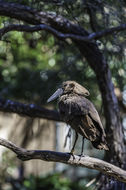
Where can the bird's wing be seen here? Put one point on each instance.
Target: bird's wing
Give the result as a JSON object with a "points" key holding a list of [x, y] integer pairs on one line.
{"points": [[81, 114], [77, 105], [93, 115], [80, 106]]}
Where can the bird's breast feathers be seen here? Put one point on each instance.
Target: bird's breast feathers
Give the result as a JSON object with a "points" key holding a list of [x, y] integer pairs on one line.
{"points": [[73, 105]]}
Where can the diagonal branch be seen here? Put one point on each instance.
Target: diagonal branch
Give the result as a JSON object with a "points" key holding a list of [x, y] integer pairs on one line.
{"points": [[35, 17], [30, 110], [86, 161]]}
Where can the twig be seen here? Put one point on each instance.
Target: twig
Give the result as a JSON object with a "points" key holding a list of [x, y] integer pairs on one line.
{"points": [[86, 161]]}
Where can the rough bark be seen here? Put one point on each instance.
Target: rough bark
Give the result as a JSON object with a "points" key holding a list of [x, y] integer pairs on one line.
{"points": [[67, 158]]}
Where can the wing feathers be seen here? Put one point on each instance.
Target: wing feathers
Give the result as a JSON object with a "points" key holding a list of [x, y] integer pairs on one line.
{"points": [[81, 114]]}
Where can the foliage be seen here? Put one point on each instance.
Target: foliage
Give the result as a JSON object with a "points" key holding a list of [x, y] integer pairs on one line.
{"points": [[51, 182], [55, 181], [33, 65], [8, 164]]}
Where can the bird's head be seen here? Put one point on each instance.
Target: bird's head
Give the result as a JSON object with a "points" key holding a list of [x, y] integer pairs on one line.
{"points": [[69, 87]]}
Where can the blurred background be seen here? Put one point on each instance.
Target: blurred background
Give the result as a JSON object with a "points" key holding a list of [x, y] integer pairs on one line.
{"points": [[32, 66]]}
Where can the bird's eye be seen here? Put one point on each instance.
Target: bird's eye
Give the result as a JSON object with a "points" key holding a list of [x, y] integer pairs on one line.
{"points": [[64, 85], [71, 85]]}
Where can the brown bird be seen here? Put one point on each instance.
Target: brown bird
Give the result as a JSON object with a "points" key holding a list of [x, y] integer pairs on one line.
{"points": [[80, 114]]}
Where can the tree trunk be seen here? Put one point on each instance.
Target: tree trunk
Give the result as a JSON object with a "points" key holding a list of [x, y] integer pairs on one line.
{"points": [[114, 130]]}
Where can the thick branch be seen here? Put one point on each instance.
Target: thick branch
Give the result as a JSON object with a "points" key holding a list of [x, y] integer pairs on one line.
{"points": [[35, 17], [51, 22], [86, 161], [30, 110]]}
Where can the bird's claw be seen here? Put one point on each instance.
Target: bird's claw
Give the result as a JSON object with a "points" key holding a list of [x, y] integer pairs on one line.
{"points": [[82, 155], [72, 153]]}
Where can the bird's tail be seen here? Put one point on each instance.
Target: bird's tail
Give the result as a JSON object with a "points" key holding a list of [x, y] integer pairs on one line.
{"points": [[100, 145]]}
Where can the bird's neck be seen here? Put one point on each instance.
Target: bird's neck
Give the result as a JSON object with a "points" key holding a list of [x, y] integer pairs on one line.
{"points": [[68, 95]]}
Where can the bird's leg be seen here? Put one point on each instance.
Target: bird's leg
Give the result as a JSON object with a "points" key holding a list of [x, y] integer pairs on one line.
{"points": [[82, 148], [76, 137], [67, 136]]}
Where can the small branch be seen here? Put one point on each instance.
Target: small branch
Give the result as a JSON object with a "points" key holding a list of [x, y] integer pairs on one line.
{"points": [[30, 110], [106, 32], [36, 28], [86, 161]]}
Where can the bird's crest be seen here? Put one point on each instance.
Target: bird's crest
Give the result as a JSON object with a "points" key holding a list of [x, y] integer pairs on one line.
{"points": [[74, 87]]}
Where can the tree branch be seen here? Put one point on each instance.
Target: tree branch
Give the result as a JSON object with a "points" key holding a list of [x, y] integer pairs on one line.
{"points": [[49, 21], [86, 161], [30, 110], [35, 17], [36, 28]]}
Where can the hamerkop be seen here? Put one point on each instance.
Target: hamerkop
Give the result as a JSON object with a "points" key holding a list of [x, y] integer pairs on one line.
{"points": [[80, 114]]}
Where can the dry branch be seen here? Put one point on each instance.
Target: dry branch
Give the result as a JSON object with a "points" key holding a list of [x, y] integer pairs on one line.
{"points": [[66, 158]]}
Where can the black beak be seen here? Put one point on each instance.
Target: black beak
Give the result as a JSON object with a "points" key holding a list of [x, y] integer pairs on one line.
{"points": [[58, 93]]}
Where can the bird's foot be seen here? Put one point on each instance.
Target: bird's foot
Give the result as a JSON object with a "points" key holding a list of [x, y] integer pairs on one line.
{"points": [[82, 155], [72, 153]]}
